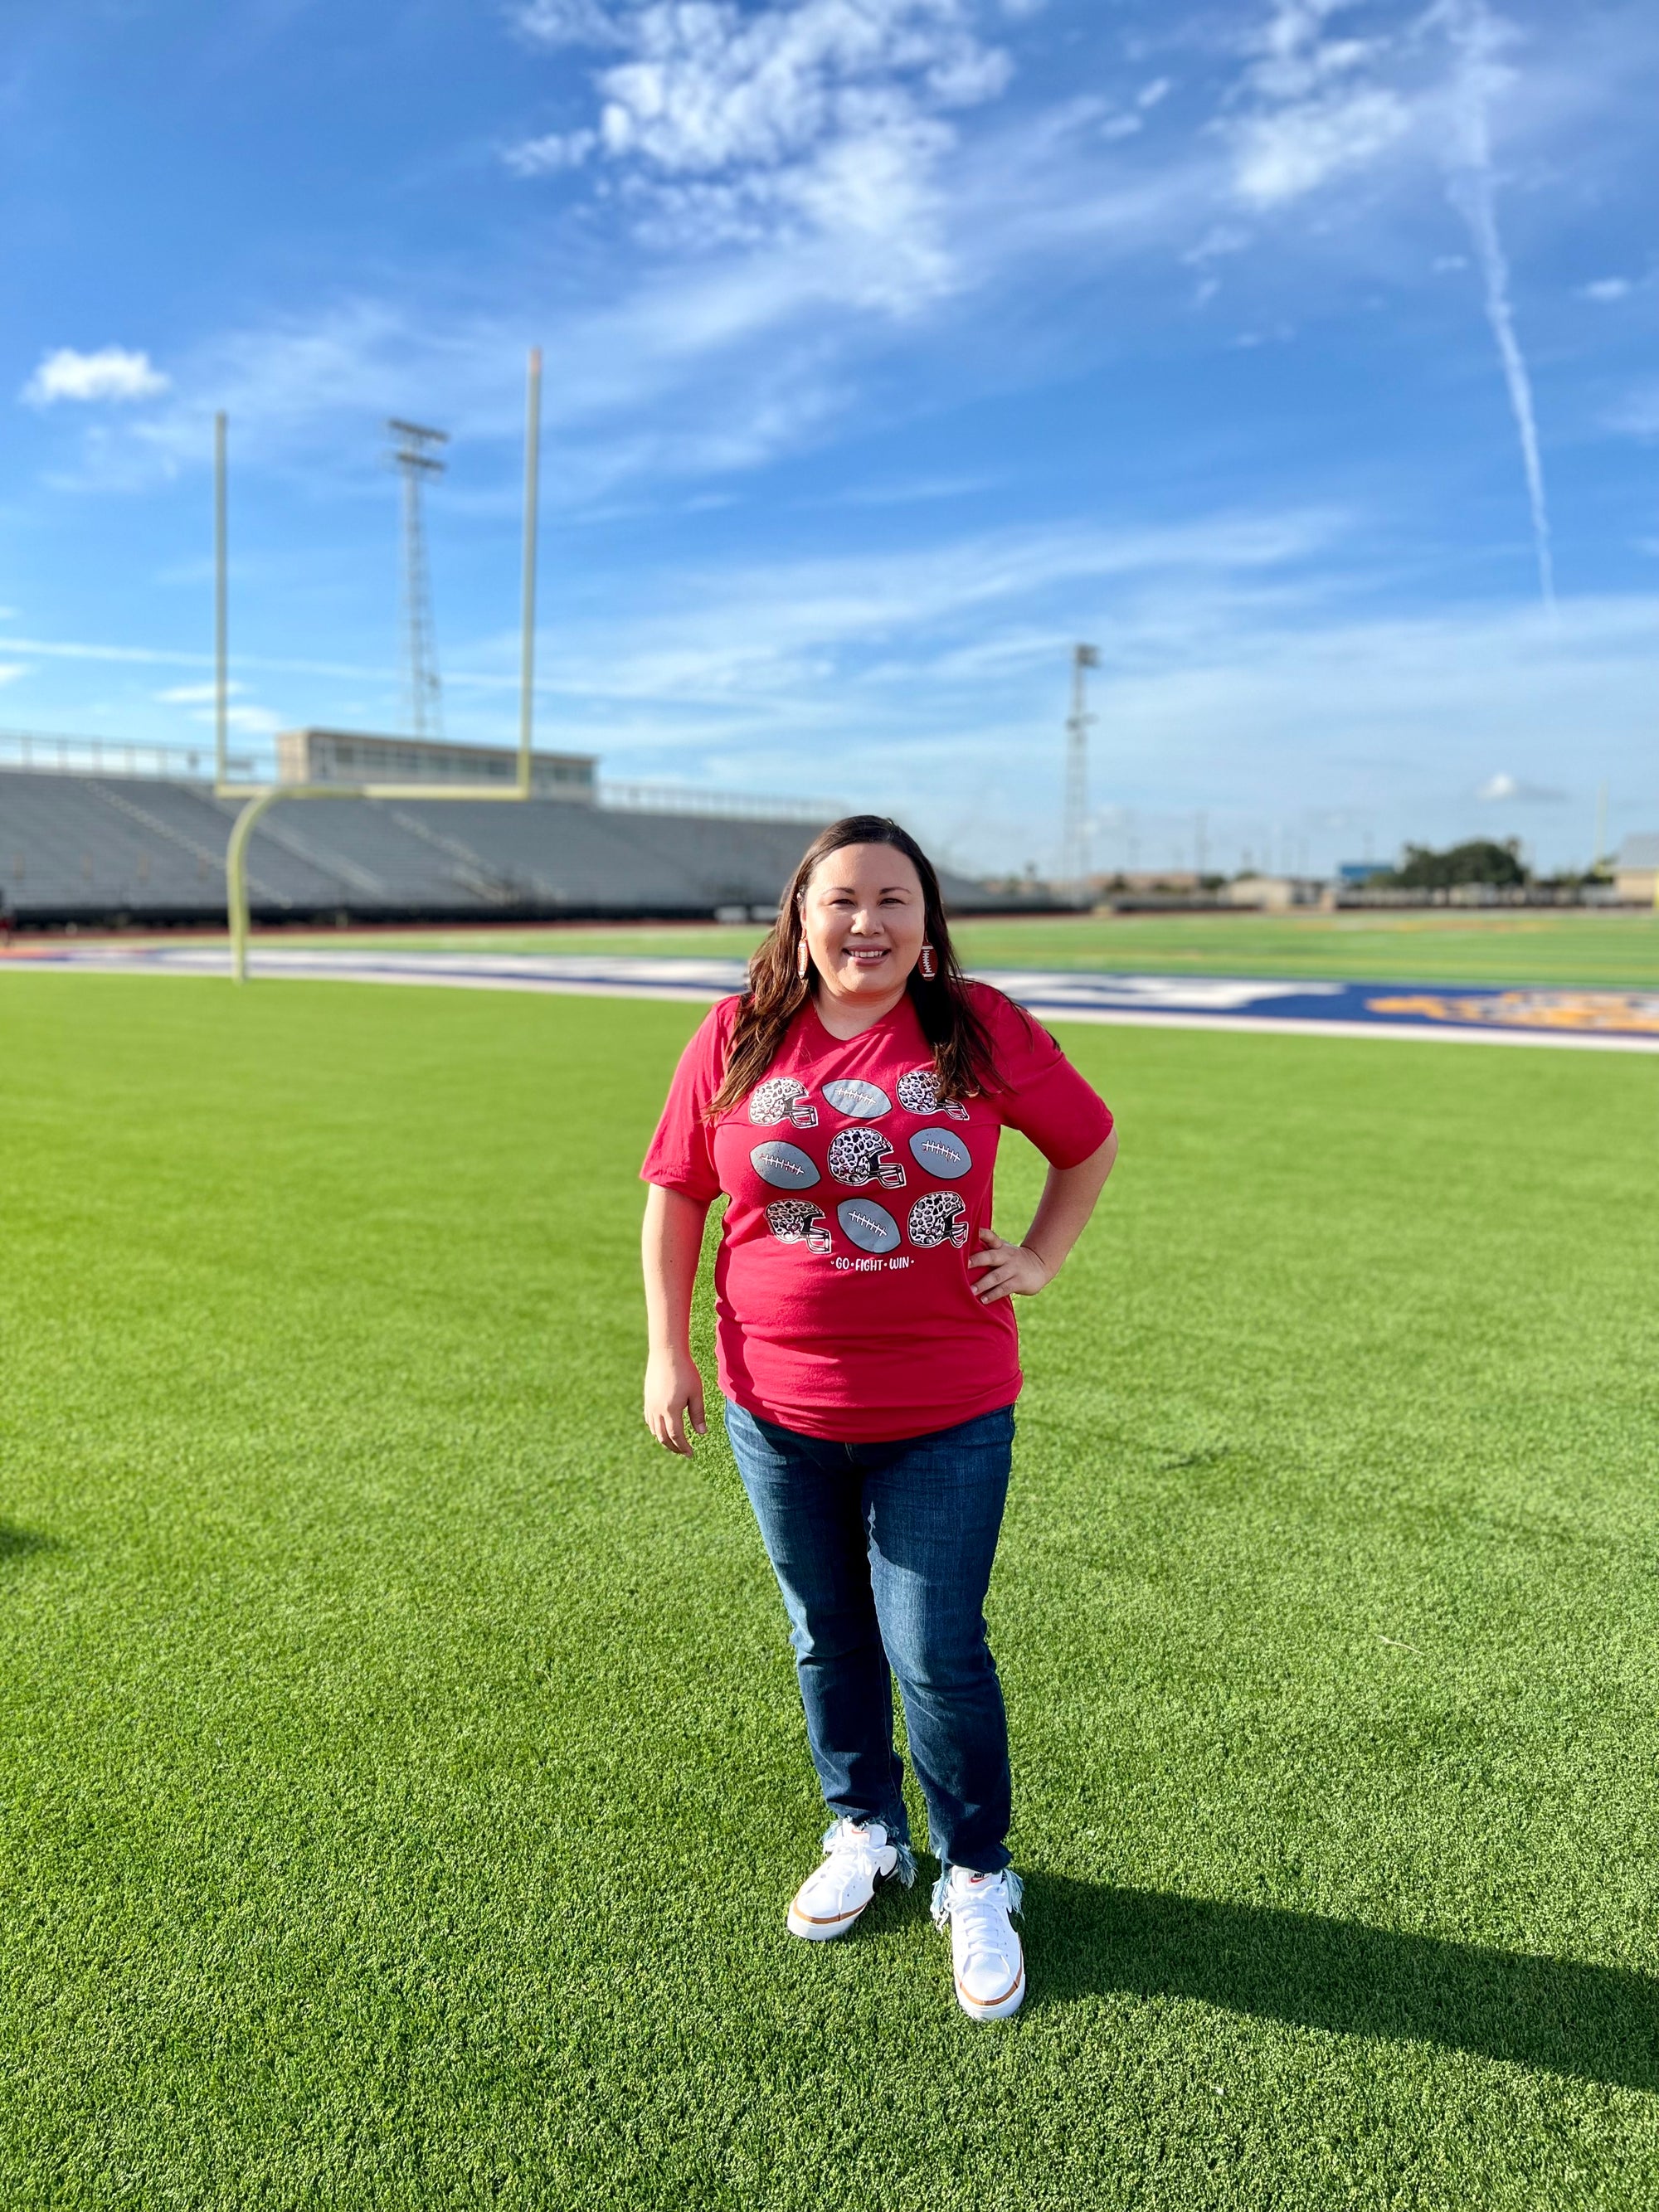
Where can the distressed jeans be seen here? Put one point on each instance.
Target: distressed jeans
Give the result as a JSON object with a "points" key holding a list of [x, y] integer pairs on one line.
{"points": [[883, 1553]]}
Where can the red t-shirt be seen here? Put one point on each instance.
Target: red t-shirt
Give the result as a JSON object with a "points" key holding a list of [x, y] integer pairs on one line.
{"points": [[841, 1284]]}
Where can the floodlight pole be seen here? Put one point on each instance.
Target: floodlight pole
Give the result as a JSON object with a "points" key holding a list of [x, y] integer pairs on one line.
{"points": [[256, 799], [1074, 861], [533, 444], [220, 608]]}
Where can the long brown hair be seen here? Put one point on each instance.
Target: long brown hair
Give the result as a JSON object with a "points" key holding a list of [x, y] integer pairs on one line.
{"points": [[963, 1060]]}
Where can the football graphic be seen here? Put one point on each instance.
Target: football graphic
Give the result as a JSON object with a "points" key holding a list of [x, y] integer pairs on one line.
{"points": [[786, 1167], [796, 1220], [859, 1156], [858, 1100], [919, 1094], [782, 1099], [942, 1153], [867, 1224], [935, 1215]]}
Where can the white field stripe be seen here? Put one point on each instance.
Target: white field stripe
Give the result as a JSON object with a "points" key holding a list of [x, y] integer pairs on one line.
{"points": [[1124, 1002]]}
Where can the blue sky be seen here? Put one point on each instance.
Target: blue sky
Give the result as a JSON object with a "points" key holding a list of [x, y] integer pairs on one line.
{"points": [[1300, 354]]}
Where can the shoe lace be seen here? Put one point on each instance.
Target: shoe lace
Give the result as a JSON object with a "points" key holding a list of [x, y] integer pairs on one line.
{"points": [[847, 1842], [980, 1914]]}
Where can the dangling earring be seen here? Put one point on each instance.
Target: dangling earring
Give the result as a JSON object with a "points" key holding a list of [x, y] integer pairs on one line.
{"points": [[803, 961], [928, 964]]}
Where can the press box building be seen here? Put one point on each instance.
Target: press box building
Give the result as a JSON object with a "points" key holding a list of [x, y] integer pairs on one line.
{"points": [[350, 756]]}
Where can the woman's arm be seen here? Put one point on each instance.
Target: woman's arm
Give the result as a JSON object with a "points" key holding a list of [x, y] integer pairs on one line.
{"points": [[1068, 1199], [671, 1246]]}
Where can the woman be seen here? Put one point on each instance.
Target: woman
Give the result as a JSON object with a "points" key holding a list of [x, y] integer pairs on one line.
{"points": [[848, 1105]]}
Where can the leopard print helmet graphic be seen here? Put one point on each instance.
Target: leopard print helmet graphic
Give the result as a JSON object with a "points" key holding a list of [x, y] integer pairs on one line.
{"points": [[781, 1098], [935, 1215], [918, 1093], [796, 1221], [859, 1156]]}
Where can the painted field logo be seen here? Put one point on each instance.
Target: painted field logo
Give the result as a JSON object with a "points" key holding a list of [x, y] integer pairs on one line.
{"points": [[1610, 1013], [942, 1153], [786, 1167]]}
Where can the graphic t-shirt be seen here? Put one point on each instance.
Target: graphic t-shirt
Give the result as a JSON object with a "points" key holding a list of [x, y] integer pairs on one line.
{"points": [[856, 1200]]}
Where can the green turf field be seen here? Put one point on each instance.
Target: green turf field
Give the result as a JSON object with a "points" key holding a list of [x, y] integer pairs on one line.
{"points": [[1615, 950], [403, 1773]]}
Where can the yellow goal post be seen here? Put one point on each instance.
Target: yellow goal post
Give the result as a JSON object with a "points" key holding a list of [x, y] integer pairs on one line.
{"points": [[255, 797]]}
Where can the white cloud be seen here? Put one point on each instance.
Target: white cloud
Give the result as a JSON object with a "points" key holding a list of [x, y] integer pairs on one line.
{"points": [[193, 695], [806, 118], [1478, 38], [1505, 787], [11, 670], [113, 373], [1284, 155], [546, 156], [1313, 105], [247, 721], [1637, 416], [1607, 288], [567, 22]]}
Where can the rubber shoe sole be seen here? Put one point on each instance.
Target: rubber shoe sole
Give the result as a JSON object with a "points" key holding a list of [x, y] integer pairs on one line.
{"points": [[1002, 2008], [826, 1931]]}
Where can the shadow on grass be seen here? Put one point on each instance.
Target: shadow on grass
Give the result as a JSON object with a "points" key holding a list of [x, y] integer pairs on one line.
{"points": [[1595, 2023], [17, 1543]]}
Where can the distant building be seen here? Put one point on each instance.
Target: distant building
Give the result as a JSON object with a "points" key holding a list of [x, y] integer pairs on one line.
{"points": [[1636, 871], [350, 756], [1270, 894]]}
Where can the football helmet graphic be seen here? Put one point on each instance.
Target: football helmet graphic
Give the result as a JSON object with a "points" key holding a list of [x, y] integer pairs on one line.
{"points": [[781, 1098], [797, 1221], [859, 1155], [935, 1215], [918, 1093]]}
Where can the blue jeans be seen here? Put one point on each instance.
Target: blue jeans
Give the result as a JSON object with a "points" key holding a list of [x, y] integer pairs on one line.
{"points": [[883, 1553]]}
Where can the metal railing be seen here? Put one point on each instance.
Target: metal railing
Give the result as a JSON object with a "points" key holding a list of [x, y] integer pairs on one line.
{"points": [[631, 797], [53, 752], [58, 753]]}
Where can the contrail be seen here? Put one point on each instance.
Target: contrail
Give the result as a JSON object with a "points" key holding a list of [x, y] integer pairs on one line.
{"points": [[1476, 36]]}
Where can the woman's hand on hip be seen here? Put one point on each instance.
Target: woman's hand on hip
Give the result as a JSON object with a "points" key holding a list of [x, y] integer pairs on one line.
{"points": [[673, 1388], [1005, 1268]]}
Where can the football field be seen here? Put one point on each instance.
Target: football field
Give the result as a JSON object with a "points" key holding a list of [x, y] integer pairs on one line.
{"points": [[402, 1769]]}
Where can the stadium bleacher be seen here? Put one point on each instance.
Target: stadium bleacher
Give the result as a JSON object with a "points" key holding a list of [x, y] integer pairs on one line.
{"points": [[97, 849]]}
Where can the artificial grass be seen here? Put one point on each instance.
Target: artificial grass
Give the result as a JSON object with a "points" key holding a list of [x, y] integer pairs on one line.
{"points": [[403, 1773], [1618, 951]]}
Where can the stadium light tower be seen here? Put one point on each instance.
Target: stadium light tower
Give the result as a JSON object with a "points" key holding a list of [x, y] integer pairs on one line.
{"points": [[257, 798], [415, 460], [1074, 862]]}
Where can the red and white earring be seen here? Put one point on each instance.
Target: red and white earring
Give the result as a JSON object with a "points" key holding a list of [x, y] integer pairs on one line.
{"points": [[803, 961], [928, 964]]}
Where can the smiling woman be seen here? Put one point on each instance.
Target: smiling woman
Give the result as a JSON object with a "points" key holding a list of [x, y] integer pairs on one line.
{"points": [[869, 1362]]}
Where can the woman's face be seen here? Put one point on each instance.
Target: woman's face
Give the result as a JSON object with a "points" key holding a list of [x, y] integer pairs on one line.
{"points": [[865, 921]]}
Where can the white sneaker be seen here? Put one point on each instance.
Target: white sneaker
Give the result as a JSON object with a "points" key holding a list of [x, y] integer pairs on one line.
{"points": [[834, 1895], [984, 1952]]}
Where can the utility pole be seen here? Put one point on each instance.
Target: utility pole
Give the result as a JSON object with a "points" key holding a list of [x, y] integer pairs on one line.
{"points": [[415, 460], [1074, 861]]}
